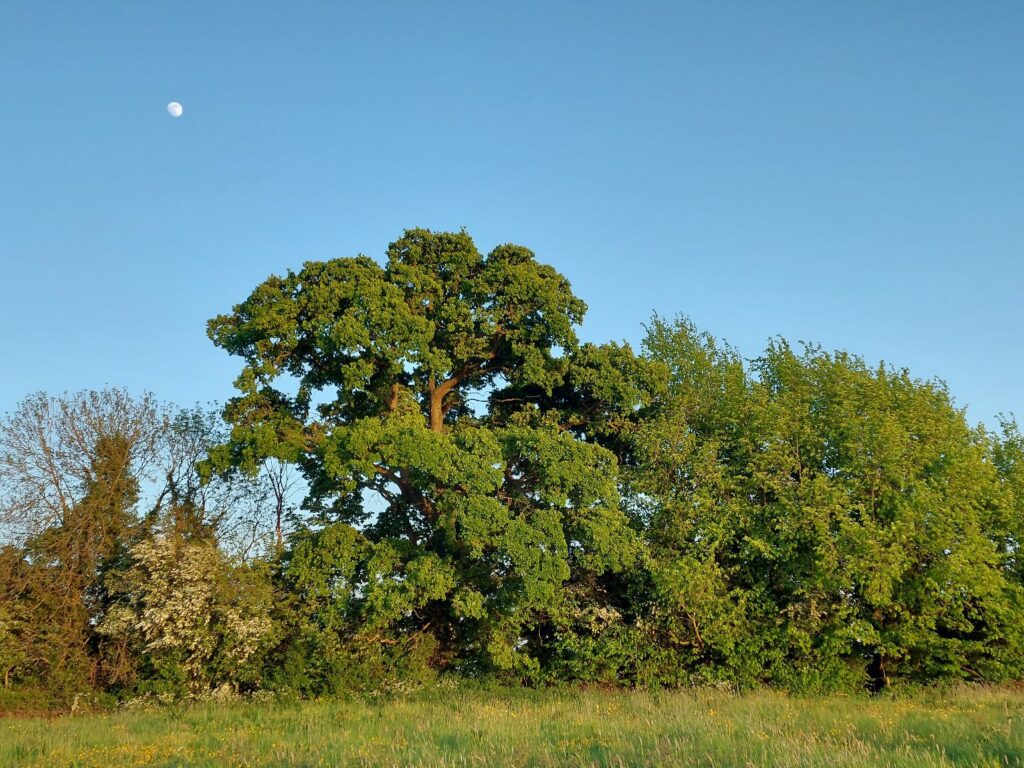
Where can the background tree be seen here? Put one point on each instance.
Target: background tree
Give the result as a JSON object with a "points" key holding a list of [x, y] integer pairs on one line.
{"points": [[819, 523], [245, 513], [85, 479], [69, 478], [1007, 521]]}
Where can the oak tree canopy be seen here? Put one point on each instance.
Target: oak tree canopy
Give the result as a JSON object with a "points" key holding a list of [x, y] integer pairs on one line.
{"points": [[444, 413]]}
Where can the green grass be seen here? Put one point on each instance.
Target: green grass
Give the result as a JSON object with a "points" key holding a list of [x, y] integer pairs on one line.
{"points": [[967, 726]]}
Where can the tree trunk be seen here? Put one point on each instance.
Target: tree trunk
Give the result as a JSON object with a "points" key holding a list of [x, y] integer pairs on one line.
{"points": [[436, 394], [280, 536], [879, 680]]}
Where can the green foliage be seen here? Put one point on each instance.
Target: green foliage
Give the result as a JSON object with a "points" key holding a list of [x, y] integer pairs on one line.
{"points": [[54, 587], [841, 516], [486, 497], [93, 487], [484, 515]]}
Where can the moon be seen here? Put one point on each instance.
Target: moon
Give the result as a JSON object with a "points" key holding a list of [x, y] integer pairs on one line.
{"points": [[174, 108]]}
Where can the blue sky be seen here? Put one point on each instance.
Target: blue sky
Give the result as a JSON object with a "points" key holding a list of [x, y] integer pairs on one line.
{"points": [[847, 173]]}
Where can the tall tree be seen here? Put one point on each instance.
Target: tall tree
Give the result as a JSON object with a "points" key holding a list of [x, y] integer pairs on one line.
{"points": [[69, 486], [382, 383]]}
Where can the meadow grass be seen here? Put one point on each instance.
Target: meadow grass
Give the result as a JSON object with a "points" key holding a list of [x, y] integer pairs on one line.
{"points": [[964, 726]]}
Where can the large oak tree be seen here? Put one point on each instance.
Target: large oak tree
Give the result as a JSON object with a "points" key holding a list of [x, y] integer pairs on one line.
{"points": [[458, 443]]}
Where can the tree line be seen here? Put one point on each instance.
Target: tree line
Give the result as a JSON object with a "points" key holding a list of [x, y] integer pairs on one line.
{"points": [[425, 473]]}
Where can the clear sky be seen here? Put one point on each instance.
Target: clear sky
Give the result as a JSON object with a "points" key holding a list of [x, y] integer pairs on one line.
{"points": [[847, 173]]}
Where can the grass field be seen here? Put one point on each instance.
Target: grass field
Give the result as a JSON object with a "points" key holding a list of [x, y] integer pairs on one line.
{"points": [[977, 727]]}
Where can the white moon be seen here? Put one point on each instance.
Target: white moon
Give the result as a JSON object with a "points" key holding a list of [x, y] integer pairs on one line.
{"points": [[175, 109]]}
